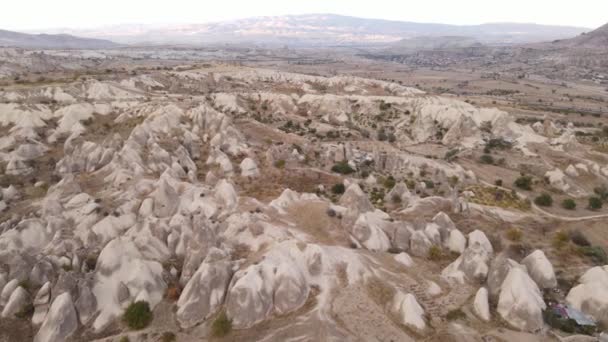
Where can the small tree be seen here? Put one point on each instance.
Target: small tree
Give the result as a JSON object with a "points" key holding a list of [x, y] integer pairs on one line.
{"points": [[221, 326], [138, 315], [544, 200], [524, 182], [486, 159], [595, 203], [569, 204], [342, 168], [338, 188]]}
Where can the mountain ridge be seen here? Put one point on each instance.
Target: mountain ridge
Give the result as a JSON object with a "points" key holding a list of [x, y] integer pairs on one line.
{"points": [[53, 41], [322, 29]]}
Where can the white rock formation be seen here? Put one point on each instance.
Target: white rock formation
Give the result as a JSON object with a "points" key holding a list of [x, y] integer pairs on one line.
{"points": [[540, 269], [456, 241], [405, 259], [481, 306], [16, 303], [520, 302], [409, 312], [205, 291], [591, 294], [249, 168], [60, 322]]}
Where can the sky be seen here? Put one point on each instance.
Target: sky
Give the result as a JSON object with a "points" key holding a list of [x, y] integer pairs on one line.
{"points": [[42, 14]]}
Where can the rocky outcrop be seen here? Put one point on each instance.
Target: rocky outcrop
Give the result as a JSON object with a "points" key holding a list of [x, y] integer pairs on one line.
{"points": [[16, 303], [420, 244], [481, 306], [540, 269], [278, 285], [60, 322], [520, 302], [591, 294], [205, 291], [471, 266], [355, 199], [409, 312]]}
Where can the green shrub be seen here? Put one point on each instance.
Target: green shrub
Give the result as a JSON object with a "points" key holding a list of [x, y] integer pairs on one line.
{"points": [[498, 182], [455, 314], [221, 326], [569, 204], [524, 182], [389, 182], [338, 188], [486, 159], [595, 253], [595, 203], [396, 199], [434, 253], [429, 184], [342, 168], [544, 200], [124, 339], [138, 315], [279, 164]]}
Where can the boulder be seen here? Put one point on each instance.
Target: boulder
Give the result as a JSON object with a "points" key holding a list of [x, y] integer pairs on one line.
{"points": [[368, 231], [540, 269], [60, 322], [405, 259], [591, 294], [408, 311], [520, 302], [18, 300], [471, 266], [481, 306], [445, 224], [7, 290], [420, 244], [499, 268], [249, 168], [205, 291], [41, 304], [355, 199], [477, 236], [456, 241]]}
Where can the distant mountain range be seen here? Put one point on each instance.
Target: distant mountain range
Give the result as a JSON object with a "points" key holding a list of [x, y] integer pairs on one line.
{"points": [[321, 30], [51, 41]]}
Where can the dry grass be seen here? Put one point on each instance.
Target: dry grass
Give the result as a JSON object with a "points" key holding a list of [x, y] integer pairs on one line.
{"points": [[312, 218], [497, 198], [379, 291]]}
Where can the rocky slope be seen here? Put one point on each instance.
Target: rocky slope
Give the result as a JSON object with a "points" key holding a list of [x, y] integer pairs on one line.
{"points": [[211, 193]]}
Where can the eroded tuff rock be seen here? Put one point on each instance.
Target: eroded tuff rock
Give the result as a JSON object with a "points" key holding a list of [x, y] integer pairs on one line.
{"points": [[205, 291], [591, 294], [540, 269], [520, 302], [60, 322]]}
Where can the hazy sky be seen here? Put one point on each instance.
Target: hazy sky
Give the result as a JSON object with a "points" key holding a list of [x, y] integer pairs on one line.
{"points": [[35, 14]]}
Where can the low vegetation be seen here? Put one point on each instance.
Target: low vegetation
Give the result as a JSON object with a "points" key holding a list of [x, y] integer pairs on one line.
{"points": [[342, 168], [221, 326], [338, 188], [569, 204], [524, 182], [514, 234], [544, 200], [138, 315]]}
